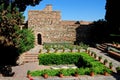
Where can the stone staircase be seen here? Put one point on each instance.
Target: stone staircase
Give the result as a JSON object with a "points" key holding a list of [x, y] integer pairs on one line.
{"points": [[109, 50], [102, 47], [30, 56]]}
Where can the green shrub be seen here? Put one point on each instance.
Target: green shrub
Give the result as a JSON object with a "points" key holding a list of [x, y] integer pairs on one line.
{"points": [[68, 58], [63, 58], [87, 62], [25, 40], [70, 71]]}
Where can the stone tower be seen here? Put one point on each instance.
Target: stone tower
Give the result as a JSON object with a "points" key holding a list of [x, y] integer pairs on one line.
{"points": [[48, 26]]}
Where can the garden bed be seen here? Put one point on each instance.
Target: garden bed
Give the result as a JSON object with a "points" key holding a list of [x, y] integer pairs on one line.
{"points": [[85, 64]]}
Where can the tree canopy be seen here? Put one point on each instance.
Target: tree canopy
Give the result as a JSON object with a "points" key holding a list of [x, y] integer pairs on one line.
{"points": [[21, 4], [9, 22], [11, 17]]}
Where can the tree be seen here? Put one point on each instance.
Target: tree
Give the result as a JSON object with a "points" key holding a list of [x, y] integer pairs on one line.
{"points": [[99, 31], [9, 23], [20, 4], [11, 17], [112, 15]]}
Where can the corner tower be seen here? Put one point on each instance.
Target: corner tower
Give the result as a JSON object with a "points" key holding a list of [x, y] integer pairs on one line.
{"points": [[43, 21]]}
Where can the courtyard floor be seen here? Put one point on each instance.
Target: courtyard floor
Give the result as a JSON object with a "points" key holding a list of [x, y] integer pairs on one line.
{"points": [[21, 70]]}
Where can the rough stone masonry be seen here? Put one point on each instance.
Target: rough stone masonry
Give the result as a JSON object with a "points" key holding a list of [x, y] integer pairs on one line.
{"points": [[48, 27]]}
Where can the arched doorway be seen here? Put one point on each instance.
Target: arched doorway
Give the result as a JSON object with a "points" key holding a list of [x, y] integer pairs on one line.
{"points": [[39, 39]]}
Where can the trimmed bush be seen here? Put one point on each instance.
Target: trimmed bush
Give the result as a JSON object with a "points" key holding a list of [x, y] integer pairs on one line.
{"points": [[80, 59], [61, 58], [85, 60]]}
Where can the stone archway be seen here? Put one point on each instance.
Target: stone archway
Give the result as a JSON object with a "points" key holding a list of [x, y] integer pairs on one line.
{"points": [[39, 39]]}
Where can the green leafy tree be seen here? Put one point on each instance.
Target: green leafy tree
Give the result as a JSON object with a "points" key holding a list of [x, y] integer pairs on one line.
{"points": [[11, 17], [20, 4], [25, 40], [9, 23]]}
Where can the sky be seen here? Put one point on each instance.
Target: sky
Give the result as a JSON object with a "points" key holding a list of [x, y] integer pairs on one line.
{"points": [[78, 10]]}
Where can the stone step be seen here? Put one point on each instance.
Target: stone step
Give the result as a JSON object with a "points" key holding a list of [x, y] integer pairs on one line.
{"points": [[101, 47], [30, 57], [29, 61], [114, 54], [31, 53]]}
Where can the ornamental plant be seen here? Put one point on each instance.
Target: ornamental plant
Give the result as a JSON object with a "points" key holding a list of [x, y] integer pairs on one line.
{"points": [[105, 61], [110, 65]]}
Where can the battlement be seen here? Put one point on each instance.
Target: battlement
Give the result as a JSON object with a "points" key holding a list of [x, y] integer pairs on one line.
{"points": [[48, 8]]}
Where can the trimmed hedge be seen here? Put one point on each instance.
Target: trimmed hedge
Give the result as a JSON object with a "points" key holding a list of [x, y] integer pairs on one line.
{"points": [[68, 58], [88, 64], [59, 58]]}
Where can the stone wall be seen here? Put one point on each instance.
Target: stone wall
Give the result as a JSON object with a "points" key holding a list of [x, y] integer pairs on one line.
{"points": [[48, 26]]}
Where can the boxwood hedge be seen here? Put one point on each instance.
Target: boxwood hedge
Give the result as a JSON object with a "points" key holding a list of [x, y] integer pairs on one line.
{"points": [[87, 63]]}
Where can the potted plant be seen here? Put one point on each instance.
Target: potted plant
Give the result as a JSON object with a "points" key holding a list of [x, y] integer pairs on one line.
{"points": [[56, 49], [71, 48], [63, 49], [48, 49], [45, 74], [110, 65], [88, 51], [76, 73], [95, 55], [118, 70], [114, 44], [100, 58], [105, 61], [92, 72], [61, 73], [92, 53], [106, 71], [28, 74], [117, 44], [78, 48]]}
